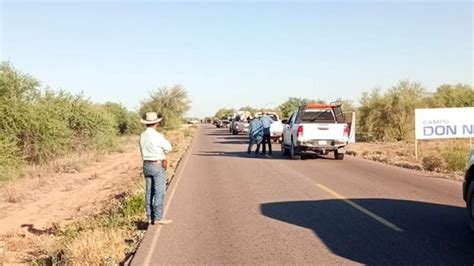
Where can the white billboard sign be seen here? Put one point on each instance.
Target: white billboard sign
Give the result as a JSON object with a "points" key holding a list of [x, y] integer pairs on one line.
{"points": [[444, 123]]}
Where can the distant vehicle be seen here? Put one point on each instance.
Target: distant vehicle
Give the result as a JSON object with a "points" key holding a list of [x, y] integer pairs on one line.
{"points": [[222, 123], [193, 122], [318, 129], [468, 189], [225, 123], [231, 124], [240, 122], [276, 129]]}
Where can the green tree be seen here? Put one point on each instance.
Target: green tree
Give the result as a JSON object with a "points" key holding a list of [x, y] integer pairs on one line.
{"points": [[390, 116], [403, 99], [172, 104], [453, 96], [224, 112], [120, 114], [249, 109]]}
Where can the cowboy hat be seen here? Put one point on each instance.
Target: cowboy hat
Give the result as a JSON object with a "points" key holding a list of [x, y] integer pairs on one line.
{"points": [[151, 118]]}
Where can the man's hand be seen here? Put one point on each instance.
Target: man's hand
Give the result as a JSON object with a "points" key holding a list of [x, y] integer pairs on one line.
{"points": [[164, 164]]}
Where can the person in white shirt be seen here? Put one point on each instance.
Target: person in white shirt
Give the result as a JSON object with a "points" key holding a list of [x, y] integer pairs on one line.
{"points": [[153, 148], [266, 122]]}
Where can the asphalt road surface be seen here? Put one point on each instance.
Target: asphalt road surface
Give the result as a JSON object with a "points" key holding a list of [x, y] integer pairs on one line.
{"points": [[229, 208]]}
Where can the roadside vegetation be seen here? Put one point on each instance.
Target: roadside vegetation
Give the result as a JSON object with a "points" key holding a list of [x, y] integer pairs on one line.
{"points": [[38, 124], [111, 236], [47, 134], [386, 123], [105, 235]]}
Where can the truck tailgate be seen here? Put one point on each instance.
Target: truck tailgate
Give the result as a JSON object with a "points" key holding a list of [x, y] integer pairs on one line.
{"points": [[316, 131], [276, 127]]}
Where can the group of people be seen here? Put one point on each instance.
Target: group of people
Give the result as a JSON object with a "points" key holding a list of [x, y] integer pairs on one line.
{"points": [[259, 133]]}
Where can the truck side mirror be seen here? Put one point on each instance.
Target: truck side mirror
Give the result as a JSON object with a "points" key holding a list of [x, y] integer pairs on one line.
{"points": [[284, 121]]}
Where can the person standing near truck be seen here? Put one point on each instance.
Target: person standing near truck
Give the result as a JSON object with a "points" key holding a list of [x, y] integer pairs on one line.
{"points": [[153, 148], [255, 135], [266, 123]]}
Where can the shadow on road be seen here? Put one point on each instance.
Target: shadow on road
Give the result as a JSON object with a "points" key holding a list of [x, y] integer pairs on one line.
{"points": [[242, 138], [432, 234], [219, 132], [241, 154], [276, 155], [237, 141]]}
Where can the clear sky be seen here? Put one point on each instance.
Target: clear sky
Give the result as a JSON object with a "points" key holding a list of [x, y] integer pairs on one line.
{"points": [[233, 54]]}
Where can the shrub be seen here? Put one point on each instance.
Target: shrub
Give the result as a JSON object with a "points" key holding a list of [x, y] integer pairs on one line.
{"points": [[45, 135], [37, 126], [10, 156], [134, 205], [456, 158], [135, 126], [432, 162]]}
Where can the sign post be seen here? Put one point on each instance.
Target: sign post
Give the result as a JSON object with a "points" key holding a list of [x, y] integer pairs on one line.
{"points": [[416, 149], [444, 123]]}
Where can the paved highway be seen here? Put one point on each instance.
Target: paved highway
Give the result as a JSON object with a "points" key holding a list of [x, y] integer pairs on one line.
{"points": [[231, 209]]}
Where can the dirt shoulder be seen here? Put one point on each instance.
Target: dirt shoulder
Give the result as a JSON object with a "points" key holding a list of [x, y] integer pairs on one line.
{"points": [[444, 159], [33, 207]]}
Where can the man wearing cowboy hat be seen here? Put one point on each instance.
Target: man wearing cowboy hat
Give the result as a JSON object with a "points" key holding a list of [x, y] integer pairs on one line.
{"points": [[153, 148]]}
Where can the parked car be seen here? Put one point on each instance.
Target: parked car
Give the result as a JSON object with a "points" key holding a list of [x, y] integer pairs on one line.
{"points": [[468, 189], [276, 129], [318, 129], [219, 124], [225, 123], [240, 122]]}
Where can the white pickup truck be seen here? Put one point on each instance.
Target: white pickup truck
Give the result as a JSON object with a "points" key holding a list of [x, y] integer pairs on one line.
{"points": [[276, 128], [318, 129]]}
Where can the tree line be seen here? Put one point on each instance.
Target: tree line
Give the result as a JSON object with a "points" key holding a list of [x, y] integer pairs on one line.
{"points": [[39, 124], [383, 115]]}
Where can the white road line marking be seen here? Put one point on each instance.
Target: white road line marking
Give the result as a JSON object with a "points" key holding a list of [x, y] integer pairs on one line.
{"points": [[362, 209], [147, 260]]}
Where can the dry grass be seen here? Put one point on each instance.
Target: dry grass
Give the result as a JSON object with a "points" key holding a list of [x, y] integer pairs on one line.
{"points": [[19, 189], [96, 247], [12, 195], [446, 157]]}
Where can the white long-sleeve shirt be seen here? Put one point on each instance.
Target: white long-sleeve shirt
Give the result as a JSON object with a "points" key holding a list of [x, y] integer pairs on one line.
{"points": [[153, 145]]}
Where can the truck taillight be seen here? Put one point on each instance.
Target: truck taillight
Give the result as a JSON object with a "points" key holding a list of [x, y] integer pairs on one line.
{"points": [[299, 133], [346, 131]]}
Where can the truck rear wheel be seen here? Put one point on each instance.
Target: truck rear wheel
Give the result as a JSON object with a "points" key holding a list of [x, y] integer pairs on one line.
{"points": [[338, 156], [284, 150], [293, 153]]}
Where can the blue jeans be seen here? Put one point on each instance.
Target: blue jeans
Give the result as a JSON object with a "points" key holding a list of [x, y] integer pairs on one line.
{"points": [[267, 139], [155, 182]]}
